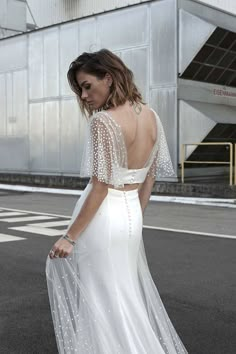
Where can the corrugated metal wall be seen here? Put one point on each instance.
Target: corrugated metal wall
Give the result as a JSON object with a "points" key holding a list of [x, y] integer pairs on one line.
{"points": [[47, 12], [226, 5], [42, 130]]}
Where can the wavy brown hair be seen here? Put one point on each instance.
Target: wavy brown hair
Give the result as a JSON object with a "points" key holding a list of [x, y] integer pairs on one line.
{"points": [[98, 64]]}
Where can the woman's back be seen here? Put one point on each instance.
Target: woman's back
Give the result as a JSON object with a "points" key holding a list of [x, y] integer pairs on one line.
{"points": [[139, 131]]}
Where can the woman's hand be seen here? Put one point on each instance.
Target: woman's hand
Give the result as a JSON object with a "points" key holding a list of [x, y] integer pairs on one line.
{"points": [[62, 248]]}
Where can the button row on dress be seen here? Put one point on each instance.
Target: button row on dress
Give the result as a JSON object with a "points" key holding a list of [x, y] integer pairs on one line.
{"points": [[129, 215]]}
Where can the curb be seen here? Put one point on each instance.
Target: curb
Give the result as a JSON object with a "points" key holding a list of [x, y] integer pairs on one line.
{"points": [[219, 202]]}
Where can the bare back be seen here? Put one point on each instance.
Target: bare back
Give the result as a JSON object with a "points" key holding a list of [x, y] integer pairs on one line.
{"points": [[140, 134]]}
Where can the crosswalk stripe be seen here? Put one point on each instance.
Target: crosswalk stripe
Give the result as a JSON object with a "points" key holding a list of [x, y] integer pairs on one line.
{"points": [[38, 230], [52, 223], [7, 238], [39, 213], [11, 213], [28, 218]]}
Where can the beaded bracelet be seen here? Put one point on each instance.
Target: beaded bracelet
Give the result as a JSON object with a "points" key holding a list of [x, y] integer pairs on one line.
{"points": [[66, 237]]}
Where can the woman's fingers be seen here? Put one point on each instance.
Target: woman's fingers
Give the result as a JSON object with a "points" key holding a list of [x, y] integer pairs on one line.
{"points": [[62, 250]]}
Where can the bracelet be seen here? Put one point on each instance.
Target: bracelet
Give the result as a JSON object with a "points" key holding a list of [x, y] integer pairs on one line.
{"points": [[66, 237]]}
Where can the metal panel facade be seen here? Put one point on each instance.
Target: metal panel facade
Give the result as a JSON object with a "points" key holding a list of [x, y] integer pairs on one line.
{"points": [[35, 68], [225, 5], [70, 136], [69, 49], [48, 12], [190, 39], [126, 28], [13, 53], [36, 137], [54, 126], [12, 17], [193, 126], [40, 112], [163, 42], [3, 108]]}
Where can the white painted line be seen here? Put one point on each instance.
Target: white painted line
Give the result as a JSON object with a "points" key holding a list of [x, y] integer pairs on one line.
{"points": [[189, 232], [39, 230], [10, 214], [225, 203], [27, 218], [39, 213], [40, 189], [52, 223], [144, 226], [7, 238]]}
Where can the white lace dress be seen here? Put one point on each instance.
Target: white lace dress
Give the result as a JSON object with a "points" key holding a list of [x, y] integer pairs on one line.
{"points": [[102, 296]]}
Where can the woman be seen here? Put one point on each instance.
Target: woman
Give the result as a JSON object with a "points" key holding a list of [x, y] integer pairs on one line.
{"points": [[102, 296]]}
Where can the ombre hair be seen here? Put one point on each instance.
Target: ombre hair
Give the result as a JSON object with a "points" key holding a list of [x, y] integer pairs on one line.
{"points": [[98, 64]]}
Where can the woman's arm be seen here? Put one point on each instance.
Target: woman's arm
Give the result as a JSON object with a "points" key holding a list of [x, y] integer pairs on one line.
{"points": [[145, 191], [92, 203], [62, 248]]}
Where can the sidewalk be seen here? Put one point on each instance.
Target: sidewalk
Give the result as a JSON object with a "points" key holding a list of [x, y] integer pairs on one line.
{"points": [[156, 197]]}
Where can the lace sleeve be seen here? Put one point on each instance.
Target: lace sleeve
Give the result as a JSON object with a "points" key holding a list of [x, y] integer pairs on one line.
{"points": [[161, 166], [104, 150]]}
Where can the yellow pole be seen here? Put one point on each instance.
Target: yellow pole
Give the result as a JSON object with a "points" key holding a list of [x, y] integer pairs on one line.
{"points": [[182, 161], [235, 164], [231, 164]]}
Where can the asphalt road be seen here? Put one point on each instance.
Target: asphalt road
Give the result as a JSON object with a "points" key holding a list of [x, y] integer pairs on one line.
{"points": [[194, 273]]}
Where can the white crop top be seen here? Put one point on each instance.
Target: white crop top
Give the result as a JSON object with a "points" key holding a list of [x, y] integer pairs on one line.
{"points": [[105, 153], [131, 176]]}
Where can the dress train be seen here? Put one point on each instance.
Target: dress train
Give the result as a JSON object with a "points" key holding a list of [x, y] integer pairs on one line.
{"points": [[102, 296]]}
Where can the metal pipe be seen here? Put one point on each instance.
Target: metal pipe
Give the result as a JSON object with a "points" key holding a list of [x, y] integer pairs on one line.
{"points": [[182, 162], [235, 164], [230, 162]]}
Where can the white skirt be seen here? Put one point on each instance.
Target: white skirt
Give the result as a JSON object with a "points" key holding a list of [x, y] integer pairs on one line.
{"points": [[102, 296]]}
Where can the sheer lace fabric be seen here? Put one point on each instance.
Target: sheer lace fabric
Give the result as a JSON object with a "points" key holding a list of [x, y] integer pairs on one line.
{"points": [[103, 299], [161, 164], [105, 154], [102, 296]]}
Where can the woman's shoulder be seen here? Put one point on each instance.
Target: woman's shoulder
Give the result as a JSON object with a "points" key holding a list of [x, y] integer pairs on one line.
{"points": [[104, 118]]}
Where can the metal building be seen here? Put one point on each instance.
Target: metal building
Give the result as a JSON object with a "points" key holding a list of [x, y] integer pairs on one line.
{"points": [[182, 53]]}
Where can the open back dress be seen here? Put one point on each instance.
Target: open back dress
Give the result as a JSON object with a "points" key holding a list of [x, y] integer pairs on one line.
{"points": [[102, 296]]}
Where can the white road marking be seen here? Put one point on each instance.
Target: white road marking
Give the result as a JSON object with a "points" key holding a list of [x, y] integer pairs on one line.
{"points": [[7, 238], [59, 232], [39, 230], [189, 232], [39, 213], [52, 223], [27, 218], [2, 214]]}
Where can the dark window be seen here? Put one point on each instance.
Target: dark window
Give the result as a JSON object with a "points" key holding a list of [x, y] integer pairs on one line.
{"points": [[215, 56], [201, 75], [228, 40], [233, 65], [233, 82], [233, 47], [204, 53], [215, 75], [216, 60], [227, 60], [216, 36], [225, 78], [191, 70]]}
